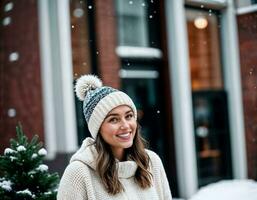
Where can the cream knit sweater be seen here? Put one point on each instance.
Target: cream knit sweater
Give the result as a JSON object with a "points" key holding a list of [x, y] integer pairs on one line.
{"points": [[81, 182]]}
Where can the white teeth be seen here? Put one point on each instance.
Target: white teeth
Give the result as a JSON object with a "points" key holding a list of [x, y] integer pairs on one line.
{"points": [[124, 135]]}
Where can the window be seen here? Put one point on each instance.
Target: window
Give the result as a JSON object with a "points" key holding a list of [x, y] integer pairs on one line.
{"points": [[205, 62], [132, 23]]}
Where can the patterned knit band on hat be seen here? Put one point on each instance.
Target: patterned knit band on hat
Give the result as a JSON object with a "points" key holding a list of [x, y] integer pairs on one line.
{"points": [[99, 100]]}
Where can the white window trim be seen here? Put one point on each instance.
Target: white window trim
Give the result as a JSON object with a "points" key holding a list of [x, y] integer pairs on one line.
{"points": [[146, 74], [138, 52], [69, 138], [59, 121], [46, 79], [182, 97], [246, 10], [232, 76], [213, 4]]}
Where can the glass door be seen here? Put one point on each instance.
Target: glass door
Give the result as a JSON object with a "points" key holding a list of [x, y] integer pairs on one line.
{"points": [[210, 109]]}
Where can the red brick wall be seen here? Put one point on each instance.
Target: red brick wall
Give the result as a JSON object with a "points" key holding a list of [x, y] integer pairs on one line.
{"points": [[80, 39], [106, 36], [20, 80], [247, 27]]}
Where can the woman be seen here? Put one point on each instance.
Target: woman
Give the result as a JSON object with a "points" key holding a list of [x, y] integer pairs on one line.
{"points": [[113, 164]]}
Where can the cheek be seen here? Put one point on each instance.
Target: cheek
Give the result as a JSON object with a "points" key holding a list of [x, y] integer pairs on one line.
{"points": [[108, 130], [106, 135], [112, 128], [134, 125], [134, 122]]}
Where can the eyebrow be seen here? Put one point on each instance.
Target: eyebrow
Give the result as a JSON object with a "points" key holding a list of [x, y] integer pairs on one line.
{"points": [[116, 114]]}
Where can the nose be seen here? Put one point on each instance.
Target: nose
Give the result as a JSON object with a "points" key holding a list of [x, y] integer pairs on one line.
{"points": [[124, 124]]}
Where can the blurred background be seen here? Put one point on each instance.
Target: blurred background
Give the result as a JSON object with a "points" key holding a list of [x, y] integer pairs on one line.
{"points": [[190, 67]]}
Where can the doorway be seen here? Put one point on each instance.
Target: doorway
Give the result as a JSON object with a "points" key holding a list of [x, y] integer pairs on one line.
{"points": [[210, 105]]}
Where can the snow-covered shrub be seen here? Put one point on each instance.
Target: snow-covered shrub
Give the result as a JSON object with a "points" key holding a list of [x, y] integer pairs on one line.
{"points": [[23, 174]]}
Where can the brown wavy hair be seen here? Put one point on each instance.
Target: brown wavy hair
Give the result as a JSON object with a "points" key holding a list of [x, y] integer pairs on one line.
{"points": [[106, 166]]}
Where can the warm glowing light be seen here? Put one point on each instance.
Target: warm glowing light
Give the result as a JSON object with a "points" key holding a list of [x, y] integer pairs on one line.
{"points": [[201, 22]]}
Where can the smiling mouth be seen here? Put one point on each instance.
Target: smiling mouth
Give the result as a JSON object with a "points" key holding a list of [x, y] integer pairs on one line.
{"points": [[124, 136]]}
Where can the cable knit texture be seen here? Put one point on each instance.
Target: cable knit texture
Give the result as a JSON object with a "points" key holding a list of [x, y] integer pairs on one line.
{"points": [[80, 180]]}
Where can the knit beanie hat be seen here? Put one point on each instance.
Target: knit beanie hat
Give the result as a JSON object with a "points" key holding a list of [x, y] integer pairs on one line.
{"points": [[99, 100]]}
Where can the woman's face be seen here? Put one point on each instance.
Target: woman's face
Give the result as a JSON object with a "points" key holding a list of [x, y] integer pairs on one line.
{"points": [[118, 129]]}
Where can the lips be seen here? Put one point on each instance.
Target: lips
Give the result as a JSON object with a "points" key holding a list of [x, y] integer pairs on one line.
{"points": [[124, 136]]}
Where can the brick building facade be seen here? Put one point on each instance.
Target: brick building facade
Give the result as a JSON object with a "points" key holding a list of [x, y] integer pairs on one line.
{"points": [[94, 41]]}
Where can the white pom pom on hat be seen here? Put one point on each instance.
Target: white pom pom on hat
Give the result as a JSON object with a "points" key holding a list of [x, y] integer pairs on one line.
{"points": [[86, 83]]}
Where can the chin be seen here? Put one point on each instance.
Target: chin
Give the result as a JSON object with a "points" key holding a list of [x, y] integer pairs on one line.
{"points": [[126, 146]]}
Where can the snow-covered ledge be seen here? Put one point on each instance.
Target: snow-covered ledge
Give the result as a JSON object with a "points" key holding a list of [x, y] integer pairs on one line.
{"points": [[138, 52]]}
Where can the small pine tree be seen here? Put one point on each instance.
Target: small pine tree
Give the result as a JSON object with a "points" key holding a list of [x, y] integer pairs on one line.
{"points": [[22, 174]]}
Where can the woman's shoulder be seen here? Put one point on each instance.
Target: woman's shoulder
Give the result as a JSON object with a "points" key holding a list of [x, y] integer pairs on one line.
{"points": [[152, 154], [76, 168], [154, 158]]}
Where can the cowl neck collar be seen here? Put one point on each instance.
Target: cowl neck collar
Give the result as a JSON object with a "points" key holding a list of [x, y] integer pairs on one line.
{"points": [[88, 155]]}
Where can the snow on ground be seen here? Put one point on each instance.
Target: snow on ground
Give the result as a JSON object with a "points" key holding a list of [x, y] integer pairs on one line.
{"points": [[228, 190]]}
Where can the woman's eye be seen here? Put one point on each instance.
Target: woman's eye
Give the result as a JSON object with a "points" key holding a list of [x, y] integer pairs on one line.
{"points": [[129, 116], [113, 120]]}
